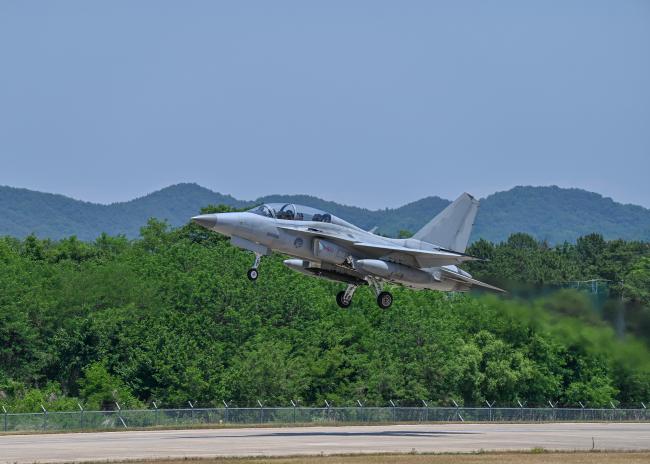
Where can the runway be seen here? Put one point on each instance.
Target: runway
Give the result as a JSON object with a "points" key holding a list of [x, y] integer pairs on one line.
{"points": [[316, 440]]}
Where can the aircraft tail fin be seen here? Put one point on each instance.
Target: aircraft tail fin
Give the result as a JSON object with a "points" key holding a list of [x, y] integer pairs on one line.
{"points": [[452, 227]]}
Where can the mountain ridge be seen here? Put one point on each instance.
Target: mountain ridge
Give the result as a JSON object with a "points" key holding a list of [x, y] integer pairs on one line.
{"points": [[548, 213]]}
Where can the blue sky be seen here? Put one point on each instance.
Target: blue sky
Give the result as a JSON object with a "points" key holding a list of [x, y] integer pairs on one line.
{"points": [[367, 103]]}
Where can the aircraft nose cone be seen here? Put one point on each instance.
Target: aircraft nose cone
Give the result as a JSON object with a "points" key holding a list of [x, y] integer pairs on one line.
{"points": [[206, 220]]}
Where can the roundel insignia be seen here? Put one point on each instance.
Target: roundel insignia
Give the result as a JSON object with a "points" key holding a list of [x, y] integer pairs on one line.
{"points": [[298, 242]]}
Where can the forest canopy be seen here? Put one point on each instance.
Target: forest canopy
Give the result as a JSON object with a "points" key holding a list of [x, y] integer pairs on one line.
{"points": [[171, 317]]}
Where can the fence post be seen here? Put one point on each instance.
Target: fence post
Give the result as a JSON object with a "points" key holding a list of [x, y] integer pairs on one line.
{"points": [[191, 410], [582, 410], [521, 408], [553, 408], [293, 404], [426, 411], [612, 414], [361, 406], [393, 406], [119, 414], [226, 411], [261, 412], [458, 411], [155, 413], [645, 410], [44, 417], [329, 410], [490, 406], [4, 410], [81, 416]]}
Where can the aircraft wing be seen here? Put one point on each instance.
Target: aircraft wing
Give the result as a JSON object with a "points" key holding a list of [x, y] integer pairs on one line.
{"points": [[412, 257], [402, 255], [470, 282], [313, 232]]}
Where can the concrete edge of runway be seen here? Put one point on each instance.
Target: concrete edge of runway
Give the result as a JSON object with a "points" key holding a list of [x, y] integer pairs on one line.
{"points": [[292, 425], [260, 442], [279, 457]]}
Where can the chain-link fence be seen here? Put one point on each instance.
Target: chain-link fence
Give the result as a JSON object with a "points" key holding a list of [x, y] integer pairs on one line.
{"points": [[121, 419]]}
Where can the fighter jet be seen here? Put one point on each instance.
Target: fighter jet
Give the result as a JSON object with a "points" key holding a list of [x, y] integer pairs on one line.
{"points": [[323, 245]]}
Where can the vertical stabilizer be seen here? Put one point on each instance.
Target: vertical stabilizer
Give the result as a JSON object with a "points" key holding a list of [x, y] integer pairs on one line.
{"points": [[452, 227]]}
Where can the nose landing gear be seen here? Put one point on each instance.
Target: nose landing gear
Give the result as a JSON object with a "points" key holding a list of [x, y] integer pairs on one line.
{"points": [[252, 272]]}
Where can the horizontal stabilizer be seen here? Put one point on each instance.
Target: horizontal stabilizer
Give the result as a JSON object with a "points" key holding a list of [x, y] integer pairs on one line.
{"points": [[469, 281]]}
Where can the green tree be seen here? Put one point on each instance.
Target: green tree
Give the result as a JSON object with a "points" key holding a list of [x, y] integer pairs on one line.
{"points": [[404, 234], [637, 282], [266, 372], [101, 390]]}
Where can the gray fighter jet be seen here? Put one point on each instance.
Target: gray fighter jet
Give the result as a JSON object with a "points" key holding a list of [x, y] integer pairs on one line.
{"points": [[323, 245]]}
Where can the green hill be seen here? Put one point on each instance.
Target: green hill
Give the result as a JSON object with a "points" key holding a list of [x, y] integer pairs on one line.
{"points": [[23, 212], [548, 213], [556, 215]]}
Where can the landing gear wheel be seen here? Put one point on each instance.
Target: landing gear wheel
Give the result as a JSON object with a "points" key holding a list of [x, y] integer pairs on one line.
{"points": [[252, 274], [340, 300], [384, 300]]}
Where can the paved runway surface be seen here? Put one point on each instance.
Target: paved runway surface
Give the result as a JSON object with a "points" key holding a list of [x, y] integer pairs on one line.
{"points": [[315, 440]]}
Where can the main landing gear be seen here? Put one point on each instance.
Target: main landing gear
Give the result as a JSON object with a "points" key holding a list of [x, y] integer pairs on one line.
{"points": [[252, 272], [384, 299], [344, 298]]}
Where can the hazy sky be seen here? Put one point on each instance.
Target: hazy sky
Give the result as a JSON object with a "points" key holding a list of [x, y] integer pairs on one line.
{"points": [[368, 103]]}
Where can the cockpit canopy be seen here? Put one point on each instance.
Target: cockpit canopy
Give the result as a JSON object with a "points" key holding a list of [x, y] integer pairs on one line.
{"points": [[292, 212]]}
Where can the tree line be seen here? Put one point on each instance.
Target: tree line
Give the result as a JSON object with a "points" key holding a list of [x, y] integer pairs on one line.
{"points": [[171, 317]]}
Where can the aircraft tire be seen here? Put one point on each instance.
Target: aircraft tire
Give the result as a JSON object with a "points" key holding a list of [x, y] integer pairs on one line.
{"points": [[340, 302], [252, 274], [384, 300]]}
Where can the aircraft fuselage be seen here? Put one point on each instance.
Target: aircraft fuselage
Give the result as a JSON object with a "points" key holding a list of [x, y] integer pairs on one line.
{"points": [[323, 245]]}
